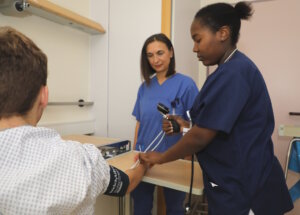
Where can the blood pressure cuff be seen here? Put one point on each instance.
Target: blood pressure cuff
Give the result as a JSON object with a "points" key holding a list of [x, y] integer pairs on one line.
{"points": [[118, 183]]}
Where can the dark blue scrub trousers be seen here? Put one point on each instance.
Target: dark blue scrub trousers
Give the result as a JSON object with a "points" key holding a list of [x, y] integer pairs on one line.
{"points": [[143, 200]]}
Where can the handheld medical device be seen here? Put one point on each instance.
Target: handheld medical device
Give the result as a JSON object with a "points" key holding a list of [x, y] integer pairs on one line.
{"points": [[176, 128], [164, 111]]}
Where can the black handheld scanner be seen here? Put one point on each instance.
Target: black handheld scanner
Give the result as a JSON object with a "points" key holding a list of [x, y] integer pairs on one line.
{"points": [[164, 111]]}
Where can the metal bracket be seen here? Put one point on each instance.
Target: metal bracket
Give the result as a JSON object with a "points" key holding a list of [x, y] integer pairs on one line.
{"points": [[21, 5]]}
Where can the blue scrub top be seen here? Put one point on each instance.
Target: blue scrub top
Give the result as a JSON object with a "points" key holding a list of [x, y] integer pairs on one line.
{"points": [[178, 93], [240, 160]]}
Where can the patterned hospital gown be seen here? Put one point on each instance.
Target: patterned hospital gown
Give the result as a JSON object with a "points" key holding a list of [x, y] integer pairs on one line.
{"points": [[42, 174]]}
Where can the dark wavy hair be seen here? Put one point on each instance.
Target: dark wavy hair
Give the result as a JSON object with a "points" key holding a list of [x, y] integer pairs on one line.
{"points": [[215, 16], [146, 70]]}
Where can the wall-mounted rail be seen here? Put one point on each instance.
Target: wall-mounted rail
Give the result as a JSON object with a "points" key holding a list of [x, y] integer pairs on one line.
{"points": [[80, 103]]}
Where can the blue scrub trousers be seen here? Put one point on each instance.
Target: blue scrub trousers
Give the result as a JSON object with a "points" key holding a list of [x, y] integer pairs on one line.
{"points": [[143, 200]]}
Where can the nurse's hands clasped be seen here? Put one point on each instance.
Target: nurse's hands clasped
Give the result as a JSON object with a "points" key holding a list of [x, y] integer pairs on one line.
{"points": [[167, 125], [151, 158]]}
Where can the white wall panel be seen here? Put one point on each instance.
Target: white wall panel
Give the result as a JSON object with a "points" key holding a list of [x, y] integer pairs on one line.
{"points": [[182, 17], [99, 67], [68, 52], [130, 23]]}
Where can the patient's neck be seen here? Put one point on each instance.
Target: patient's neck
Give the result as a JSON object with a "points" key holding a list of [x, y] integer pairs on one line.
{"points": [[12, 122]]}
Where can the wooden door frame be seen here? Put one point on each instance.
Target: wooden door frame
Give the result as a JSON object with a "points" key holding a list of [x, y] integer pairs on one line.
{"points": [[166, 17]]}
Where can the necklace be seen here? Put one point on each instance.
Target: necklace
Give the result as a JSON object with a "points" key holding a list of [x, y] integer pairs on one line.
{"points": [[230, 55]]}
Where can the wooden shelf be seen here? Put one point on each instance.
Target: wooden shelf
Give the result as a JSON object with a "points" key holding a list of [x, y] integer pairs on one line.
{"points": [[53, 12]]}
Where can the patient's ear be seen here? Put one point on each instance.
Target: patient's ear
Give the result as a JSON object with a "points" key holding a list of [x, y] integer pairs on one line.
{"points": [[44, 96]]}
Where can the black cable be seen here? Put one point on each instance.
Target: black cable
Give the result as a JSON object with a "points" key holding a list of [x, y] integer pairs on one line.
{"points": [[188, 205]]}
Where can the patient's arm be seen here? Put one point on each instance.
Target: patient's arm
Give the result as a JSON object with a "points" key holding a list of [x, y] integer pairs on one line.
{"points": [[122, 183]]}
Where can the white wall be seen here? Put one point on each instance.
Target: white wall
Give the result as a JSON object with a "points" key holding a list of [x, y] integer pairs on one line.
{"points": [[182, 17], [68, 52], [206, 2], [130, 23], [99, 67], [204, 71], [102, 68], [271, 41], [115, 67]]}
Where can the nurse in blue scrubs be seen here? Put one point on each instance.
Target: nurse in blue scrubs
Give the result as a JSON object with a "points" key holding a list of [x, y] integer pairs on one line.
{"points": [[174, 90], [233, 122]]}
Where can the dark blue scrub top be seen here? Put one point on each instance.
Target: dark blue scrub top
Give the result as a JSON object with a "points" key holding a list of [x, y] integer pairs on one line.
{"points": [[240, 160]]}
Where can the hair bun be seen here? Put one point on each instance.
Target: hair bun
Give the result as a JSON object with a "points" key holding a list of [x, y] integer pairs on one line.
{"points": [[243, 10]]}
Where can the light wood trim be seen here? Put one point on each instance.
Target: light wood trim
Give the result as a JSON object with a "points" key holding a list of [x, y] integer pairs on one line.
{"points": [[97, 141], [289, 130], [59, 11], [166, 15]]}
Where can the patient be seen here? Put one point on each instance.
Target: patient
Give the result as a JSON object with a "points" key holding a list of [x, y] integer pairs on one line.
{"points": [[39, 172]]}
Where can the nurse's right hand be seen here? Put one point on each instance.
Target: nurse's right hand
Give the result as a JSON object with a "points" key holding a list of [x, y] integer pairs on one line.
{"points": [[151, 158], [167, 125]]}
